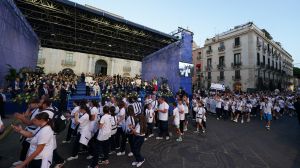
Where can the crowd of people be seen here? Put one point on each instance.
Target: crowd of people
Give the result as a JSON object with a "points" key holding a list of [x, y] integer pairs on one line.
{"points": [[102, 128]]}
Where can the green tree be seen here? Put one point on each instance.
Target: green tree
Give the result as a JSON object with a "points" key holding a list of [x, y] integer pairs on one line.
{"points": [[296, 72]]}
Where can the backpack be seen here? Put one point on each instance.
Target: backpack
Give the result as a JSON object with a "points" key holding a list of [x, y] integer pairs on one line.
{"points": [[59, 122]]}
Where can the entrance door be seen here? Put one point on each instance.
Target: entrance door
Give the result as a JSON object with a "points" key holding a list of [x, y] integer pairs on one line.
{"points": [[101, 67]]}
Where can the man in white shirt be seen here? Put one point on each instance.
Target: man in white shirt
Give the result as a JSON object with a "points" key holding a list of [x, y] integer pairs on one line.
{"points": [[163, 114]]}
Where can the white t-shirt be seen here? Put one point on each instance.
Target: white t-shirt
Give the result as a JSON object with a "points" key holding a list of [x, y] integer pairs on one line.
{"points": [[93, 124], [268, 108], [113, 120], [181, 109], [163, 116], [226, 105], [120, 115], [219, 103], [84, 123], [176, 116], [32, 128], [138, 130], [73, 126], [105, 131], [200, 113], [149, 115], [129, 121], [45, 136]]}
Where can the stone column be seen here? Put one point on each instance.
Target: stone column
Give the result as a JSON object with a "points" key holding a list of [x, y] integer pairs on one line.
{"points": [[90, 64], [112, 67]]}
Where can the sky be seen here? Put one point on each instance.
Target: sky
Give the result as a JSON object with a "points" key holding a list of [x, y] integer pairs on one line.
{"points": [[205, 18]]}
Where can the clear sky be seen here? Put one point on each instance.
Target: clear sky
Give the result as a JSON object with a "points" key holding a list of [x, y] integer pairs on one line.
{"points": [[281, 18]]}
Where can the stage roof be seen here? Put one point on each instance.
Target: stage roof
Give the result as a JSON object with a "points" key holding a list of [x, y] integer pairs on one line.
{"points": [[66, 25]]}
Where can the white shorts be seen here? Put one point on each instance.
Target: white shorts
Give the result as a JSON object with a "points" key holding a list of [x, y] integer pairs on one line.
{"points": [[199, 120]]}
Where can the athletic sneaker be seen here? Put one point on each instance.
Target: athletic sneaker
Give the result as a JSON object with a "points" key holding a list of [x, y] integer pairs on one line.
{"points": [[117, 148], [248, 120], [17, 163], [146, 139], [151, 135], [104, 162], [179, 139], [167, 138], [130, 154], [203, 131], [159, 138], [235, 120], [196, 131], [66, 142], [140, 163], [89, 157], [242, 121], [120, 153], [59, 165], [112, 152], [72, 158], [134, 163], [218, 118]]}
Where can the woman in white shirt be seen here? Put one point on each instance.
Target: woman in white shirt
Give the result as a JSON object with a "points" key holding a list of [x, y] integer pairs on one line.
{"points": [[41, 145], [83, 133], [121, 130], [130, 122], [103, 136], [138, 132]]}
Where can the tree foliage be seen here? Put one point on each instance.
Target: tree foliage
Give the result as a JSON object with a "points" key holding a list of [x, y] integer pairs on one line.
{"points": [[296, 72]]}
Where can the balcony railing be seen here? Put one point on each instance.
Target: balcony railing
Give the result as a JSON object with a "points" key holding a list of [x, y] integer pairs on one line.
{"points": [[221, 66], [209, 51], [236, 65], [41, 61], [221, 48], [68, 63], [236, 45], [236, 78]]}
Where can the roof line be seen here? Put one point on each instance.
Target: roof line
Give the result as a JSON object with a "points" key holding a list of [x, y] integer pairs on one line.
{"points": [[107, 15]]}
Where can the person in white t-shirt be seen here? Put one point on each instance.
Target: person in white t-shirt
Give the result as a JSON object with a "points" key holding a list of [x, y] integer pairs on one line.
{"points": [[176, 121], [83, 133], [41, 145], [103, 136], [200, 116], [121, 130], [94, 114], [181, 109], [138, 132], [130, 122], [72, 125], [163, 114], [218, 107], [114, 125], [150, 115], [268, 113]]}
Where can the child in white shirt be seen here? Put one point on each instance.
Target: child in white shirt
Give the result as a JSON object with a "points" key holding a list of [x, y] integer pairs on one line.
{"points": [[150, 115], [177, 121]]}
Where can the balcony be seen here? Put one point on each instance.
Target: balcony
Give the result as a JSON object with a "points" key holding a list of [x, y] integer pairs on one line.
{"points": [[236, 65], [209, 51], [221, 78], [236, 78], [236, 45], [221, 66], [68, 63], [41, 61], [221, 48]]}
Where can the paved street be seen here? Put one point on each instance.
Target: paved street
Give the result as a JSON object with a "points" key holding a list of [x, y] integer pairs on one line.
{"points": [[226, 144]]}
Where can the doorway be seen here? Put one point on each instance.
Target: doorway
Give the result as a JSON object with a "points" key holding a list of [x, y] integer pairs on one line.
{"points": [[101, 67]]}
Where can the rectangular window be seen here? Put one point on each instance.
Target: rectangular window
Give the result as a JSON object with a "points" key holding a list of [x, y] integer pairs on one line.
{"points": [[237, 58], [209, 75], [209, 62], [258, 59], [276, 65], [237, 74], [237, 41], [221, 61], [264, 60], [69, 57], [221, 75], [269, 62]]}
